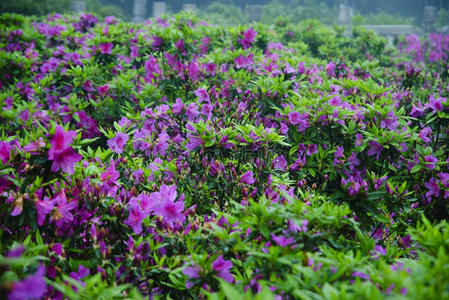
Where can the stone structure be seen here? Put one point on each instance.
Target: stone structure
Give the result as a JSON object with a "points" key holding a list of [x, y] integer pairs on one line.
{"points": [[254, 12], [159, 8], [429, 18], [189, 7], [139, 11], [78, 6], [345, 14]]}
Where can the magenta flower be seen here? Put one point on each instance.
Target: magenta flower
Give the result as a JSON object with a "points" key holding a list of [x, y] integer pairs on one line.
{"points": [[166, 207], [63, 155], [60, 141], [375, 149], [294, 117], [430, 161], [222, 267], [82, 272], [435, 104], [202, 95], [247, 178], [5, 151], [135, 218], [106, 48], [433, 189], [282, 240], [312, 149], [192, 273], [32, 287], [65, 160], [248, 38], [117, 143], [390, 122], [63, 213], [43, 208], [335, 101]]}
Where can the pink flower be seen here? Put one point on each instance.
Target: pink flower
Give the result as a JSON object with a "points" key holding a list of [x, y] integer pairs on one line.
{"points": [[5, 151], [63, 155], [248, 38], [117, 143], [60, 141], [106, 48], [43, 208], [65, 160], [202, 95], [433, 189], [135, 218], [335, 101], [222, 267], [63, 213], [166, 207], [248, 178]]}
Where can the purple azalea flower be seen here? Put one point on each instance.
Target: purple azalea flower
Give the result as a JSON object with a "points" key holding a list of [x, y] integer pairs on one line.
{"points": [[192, 273], [335, 101], [63, 155], [426, 134], [430, 161], [106, 48], [5, 151], [312, 149], [135, 218], [247, 178], [166, 207], [192, 111], [248, 38], [82, 272], [433, 189], [282, 240], [32, 287], [117, 143], [391, 122], [202, 95], [43, 208], [375, 149], [222, 267], [62, 215], [435, 104]]}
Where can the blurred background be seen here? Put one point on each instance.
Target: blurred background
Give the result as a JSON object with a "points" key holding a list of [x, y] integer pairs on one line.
{"points": [[430, 15]]}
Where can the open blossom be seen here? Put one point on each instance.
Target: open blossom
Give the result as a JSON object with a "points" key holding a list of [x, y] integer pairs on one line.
{"points": [[5, 151], [202, 95], [32, 287], [117, 143], [248, 38], [166, 207], [433, 189], [248, 178], [222, 267], [375, 149], [61, 153], [63, 213], [106, 48], [430, 161], [43, 208], [135, 218]]}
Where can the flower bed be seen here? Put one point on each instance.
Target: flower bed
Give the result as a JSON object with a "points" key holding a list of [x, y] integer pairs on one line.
{"points": [[184, 160]]}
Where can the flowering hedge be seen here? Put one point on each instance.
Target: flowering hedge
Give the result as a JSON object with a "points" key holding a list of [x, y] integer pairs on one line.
{"points": [[178, 159]]}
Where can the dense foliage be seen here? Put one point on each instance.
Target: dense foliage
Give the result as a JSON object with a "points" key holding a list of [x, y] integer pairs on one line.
{"points": [[184, 160]]}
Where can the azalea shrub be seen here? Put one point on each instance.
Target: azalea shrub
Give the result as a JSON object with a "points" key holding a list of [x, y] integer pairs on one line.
{"points": [[179, 159]]}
